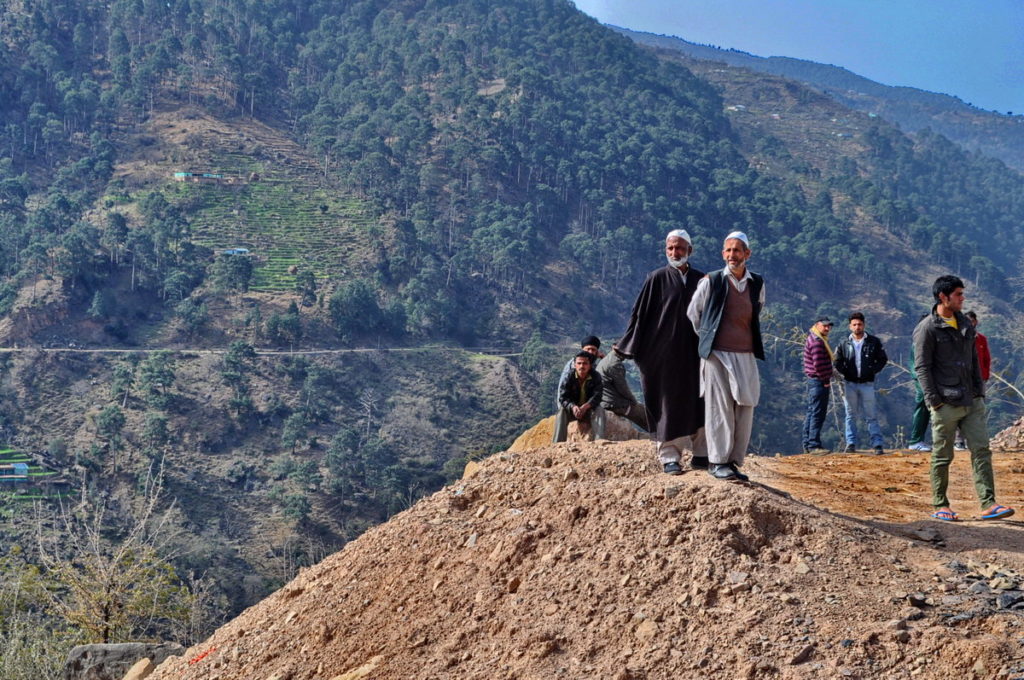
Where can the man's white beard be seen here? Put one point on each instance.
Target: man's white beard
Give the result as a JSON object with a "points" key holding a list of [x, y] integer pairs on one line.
{"points": [[677, 263]]}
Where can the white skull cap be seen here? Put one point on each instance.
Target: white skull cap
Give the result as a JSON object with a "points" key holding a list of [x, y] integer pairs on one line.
{"points": [[680, 233], [741, 236]]}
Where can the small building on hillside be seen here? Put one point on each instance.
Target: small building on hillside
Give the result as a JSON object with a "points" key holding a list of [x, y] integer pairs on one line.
{"points": [[202, 177], [14, 472]]}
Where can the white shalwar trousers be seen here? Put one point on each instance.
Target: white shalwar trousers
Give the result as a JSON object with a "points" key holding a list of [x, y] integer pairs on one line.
{"points": [[731, 387]]}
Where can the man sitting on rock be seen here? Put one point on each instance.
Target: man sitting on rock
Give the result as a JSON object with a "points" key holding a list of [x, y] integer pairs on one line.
{"points": [[590, 344], [579, 398]]}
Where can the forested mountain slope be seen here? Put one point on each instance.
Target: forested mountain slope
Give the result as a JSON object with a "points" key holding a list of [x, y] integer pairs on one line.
{"points": [[500, 140], [993, 133], [418, 189]]}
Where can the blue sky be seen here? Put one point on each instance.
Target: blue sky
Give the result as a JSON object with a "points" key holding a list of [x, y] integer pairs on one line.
{"points": [[973, 50]]}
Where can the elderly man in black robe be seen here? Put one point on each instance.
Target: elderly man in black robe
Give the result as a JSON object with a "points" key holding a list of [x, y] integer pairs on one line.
{"points": [[662, 342]]}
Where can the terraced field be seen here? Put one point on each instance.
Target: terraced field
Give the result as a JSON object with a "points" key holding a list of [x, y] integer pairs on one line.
{"points": [[35, 488], [277, 208]]}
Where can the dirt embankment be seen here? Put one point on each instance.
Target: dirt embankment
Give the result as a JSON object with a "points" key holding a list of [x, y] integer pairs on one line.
{"points": [[582, 560], [39, 305]]}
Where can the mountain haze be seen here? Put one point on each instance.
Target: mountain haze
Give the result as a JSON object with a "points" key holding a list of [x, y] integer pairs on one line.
{"points": [[992, 133]]}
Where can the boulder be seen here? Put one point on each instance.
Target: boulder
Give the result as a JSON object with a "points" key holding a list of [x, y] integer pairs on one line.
{"points": [[113, 661], [141, 670], [617, 429]]}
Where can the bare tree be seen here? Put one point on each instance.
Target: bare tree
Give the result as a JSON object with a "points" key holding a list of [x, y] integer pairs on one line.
{"points": [[368, 402], [124, 588]]}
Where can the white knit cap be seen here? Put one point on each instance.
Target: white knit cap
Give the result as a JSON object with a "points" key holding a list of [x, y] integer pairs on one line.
{"points": [[681, 233], [741, 236]]}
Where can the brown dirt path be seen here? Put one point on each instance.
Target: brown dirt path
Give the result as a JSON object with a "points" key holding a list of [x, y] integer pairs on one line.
{"points": [[893, 493]]}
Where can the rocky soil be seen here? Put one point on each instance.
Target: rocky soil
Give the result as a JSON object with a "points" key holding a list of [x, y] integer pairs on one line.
{"points": [[1010, 439], [582, 560]]}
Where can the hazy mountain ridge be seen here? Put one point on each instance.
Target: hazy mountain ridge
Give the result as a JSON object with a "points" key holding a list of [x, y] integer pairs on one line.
{"points": [[991, 133]]}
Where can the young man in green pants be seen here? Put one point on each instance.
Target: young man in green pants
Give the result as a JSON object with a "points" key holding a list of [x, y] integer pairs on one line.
{"points": [[946, 363]]}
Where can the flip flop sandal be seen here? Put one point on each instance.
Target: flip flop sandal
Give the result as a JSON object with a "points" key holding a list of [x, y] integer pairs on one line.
{"points": [[998, 512], [948, 515]]}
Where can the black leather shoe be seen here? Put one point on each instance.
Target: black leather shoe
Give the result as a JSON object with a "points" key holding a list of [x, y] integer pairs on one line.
{"points": [[723, 472], [879, 451], [851, 448], [739, 475], [699, 463], [673, 468]]}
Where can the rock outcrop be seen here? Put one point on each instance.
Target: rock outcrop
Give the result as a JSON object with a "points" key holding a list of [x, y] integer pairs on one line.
{"points": [[37, 306], [618, 429], [1011, 438], [114, 661]]}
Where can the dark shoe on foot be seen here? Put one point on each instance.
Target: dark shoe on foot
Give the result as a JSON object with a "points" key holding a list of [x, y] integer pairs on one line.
{"points": [[739, 475], [879, 451], [851, 448], [699, 463], [673, 468], [723, 472]]}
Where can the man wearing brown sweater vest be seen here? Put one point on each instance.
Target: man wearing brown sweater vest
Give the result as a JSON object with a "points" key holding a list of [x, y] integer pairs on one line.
{"points": [[725, 311]]}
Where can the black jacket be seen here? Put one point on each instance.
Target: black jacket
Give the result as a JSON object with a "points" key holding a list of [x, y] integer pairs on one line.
{"points": [[872, 359], [946, 361], [569, 390]]}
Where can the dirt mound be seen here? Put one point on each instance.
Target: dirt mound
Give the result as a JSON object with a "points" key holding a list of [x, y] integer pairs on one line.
{"points": [[582, 561]]}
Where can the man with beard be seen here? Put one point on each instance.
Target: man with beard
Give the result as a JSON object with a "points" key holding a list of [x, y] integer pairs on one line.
{"points": [[661, 341], [725, 311]]}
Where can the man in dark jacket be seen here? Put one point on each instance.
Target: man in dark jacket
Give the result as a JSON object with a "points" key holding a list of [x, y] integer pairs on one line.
{"points": [[984, 360], [950, 375], [859, 358], [590, 344], [579, 398], [818, 371]]}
